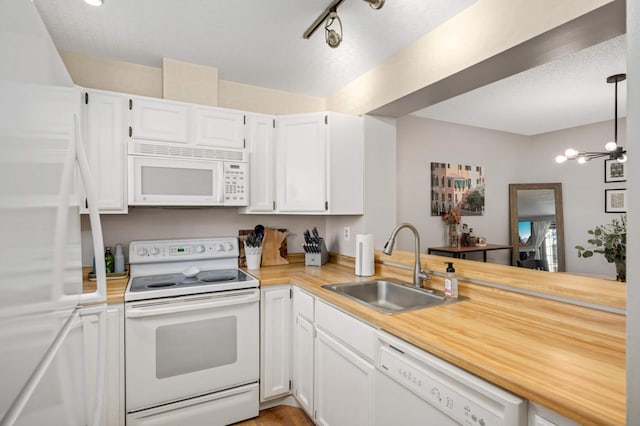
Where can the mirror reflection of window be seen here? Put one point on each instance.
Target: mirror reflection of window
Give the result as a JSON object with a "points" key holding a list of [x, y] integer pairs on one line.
{"points": [[536, 226]]}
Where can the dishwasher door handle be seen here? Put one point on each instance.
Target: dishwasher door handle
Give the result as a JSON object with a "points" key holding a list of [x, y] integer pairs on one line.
{"points": [[212, 302]]}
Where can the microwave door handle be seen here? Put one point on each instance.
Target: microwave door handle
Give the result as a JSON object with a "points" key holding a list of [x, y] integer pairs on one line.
{"points": [[178, 307], [223, 184]]}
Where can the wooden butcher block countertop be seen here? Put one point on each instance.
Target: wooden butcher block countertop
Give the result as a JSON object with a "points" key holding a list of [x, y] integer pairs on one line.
{"points": [[568, 358]]}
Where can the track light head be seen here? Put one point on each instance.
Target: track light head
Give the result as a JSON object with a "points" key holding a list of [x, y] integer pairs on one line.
{"points": [[375, 4], [331, 36]]}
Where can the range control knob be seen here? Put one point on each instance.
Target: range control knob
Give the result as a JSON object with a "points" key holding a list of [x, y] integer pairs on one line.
{"points": [[228, 246], [142, 251], [155, 251], [220, 248], [200, 249]]}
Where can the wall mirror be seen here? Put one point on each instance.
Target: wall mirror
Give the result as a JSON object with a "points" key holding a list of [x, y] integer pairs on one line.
{"points": [[536, 226]]}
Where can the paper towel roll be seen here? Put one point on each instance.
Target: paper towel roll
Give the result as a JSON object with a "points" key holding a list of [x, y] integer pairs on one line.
{"points": [[364, 255]]}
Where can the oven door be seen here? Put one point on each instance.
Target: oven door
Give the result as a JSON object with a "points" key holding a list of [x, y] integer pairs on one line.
{"points": [[175, 182], [189, 346]]}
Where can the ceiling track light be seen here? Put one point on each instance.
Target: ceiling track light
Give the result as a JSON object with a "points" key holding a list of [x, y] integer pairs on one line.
{"points": [[612, 150], [329, 16], [331, 36]]}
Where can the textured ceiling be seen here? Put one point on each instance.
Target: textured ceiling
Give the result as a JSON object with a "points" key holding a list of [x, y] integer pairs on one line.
{"points": [[569, 92], [250, 41]]}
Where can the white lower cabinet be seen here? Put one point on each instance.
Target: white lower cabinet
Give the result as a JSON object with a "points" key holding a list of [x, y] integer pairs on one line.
{"points": [[113, 403], [344, 385], [303, 349], [275, 332], [542, 416], [333, 371]]}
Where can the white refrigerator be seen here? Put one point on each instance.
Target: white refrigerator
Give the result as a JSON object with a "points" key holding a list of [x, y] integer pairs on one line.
{"points": [[52, 337]]}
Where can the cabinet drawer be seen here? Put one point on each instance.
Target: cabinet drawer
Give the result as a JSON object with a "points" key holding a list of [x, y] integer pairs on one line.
{"points": [[302, 304], [351, 331]]}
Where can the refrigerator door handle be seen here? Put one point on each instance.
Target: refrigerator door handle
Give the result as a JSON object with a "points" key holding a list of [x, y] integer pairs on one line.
{"points": [[100, 295]]}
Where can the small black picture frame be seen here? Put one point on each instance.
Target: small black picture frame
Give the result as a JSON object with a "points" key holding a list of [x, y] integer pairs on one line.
{"points": [[615, 200], [614, 171]]}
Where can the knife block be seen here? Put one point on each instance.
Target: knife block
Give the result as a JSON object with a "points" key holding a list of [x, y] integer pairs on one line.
{"points": [[317, 259]]}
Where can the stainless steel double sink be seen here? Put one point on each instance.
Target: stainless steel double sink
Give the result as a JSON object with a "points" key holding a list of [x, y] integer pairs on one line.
{"points": [[389, 296]]}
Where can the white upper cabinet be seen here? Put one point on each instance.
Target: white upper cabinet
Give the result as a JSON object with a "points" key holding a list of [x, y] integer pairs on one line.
{"points": [[104, 139], [317, 168], [159, 120], [302, 163], [219, 127], [261, 147]]}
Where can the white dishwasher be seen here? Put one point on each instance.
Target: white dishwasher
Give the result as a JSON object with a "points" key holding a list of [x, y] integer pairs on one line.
{"points": [[414, 387]]}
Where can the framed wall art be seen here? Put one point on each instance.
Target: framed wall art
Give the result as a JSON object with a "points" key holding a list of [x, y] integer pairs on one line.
{"points": [[615, 200], [614, 171], [456, 186]]}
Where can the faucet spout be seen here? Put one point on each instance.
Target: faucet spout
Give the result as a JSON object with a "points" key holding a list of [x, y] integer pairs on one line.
{"points": [[418, 274]]}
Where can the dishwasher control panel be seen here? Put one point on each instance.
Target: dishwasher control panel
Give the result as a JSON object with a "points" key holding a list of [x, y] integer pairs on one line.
{"points": [[462, 396]]}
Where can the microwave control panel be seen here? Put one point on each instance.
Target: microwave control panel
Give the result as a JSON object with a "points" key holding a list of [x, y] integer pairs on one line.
{"points": [[236, 184]]}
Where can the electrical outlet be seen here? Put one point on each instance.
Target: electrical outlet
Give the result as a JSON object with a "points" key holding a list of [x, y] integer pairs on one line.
{"points": [[347, 233]]}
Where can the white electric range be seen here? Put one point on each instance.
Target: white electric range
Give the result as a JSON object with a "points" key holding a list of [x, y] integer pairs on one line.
{"points": [[191, 333]]}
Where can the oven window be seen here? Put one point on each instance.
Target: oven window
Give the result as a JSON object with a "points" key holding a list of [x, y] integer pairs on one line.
{"points": [[195, 346], [176, 181]]}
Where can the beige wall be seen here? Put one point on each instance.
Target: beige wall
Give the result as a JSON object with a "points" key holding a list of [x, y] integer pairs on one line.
{"points": [[264, 100], [117, 76], [186, 82], [107, 74]]}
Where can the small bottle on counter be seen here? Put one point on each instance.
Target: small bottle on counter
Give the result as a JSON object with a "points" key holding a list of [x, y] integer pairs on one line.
{"points": [[451, 282], [118, 264], [108, 260]]}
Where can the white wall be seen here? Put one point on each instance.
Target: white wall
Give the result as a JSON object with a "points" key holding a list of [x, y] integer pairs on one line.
{"points": [[423, 141], [582, 186], [379, 189], [145, 223]]}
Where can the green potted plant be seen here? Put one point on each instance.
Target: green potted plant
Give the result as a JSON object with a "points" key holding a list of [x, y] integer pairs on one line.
{"points": [[610, 241]]}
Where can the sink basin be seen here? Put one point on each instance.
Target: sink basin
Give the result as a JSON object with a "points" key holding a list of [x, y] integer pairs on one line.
{"points": [[388, 295]]}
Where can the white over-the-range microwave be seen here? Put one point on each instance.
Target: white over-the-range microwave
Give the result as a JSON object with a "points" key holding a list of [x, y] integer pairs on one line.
{"points": [[171, 174]]}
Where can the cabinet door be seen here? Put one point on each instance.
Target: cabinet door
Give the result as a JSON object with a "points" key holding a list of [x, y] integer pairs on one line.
{"points": [[343, 384], [113, 409], [218, 127], [261, 145], [159, 120], [302, 163], [104, 131], [275, 372], [303, 363]]}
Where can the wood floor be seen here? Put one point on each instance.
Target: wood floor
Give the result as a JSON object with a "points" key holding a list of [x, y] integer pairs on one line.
{"points": [[280, 415]]}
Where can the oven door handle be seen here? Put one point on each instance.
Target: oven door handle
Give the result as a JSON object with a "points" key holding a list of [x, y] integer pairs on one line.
{"points": [[194, 305]]}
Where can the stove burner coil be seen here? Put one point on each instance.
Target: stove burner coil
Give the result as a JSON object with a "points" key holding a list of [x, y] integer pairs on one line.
{"points": [[161, 285]]}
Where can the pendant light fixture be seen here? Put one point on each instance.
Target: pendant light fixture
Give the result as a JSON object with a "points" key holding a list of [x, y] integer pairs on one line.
{"points": [[333, 35], [612, 149]]}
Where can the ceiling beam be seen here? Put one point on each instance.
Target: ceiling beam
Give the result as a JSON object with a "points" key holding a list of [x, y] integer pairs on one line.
{"points": [[597, 26]]}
